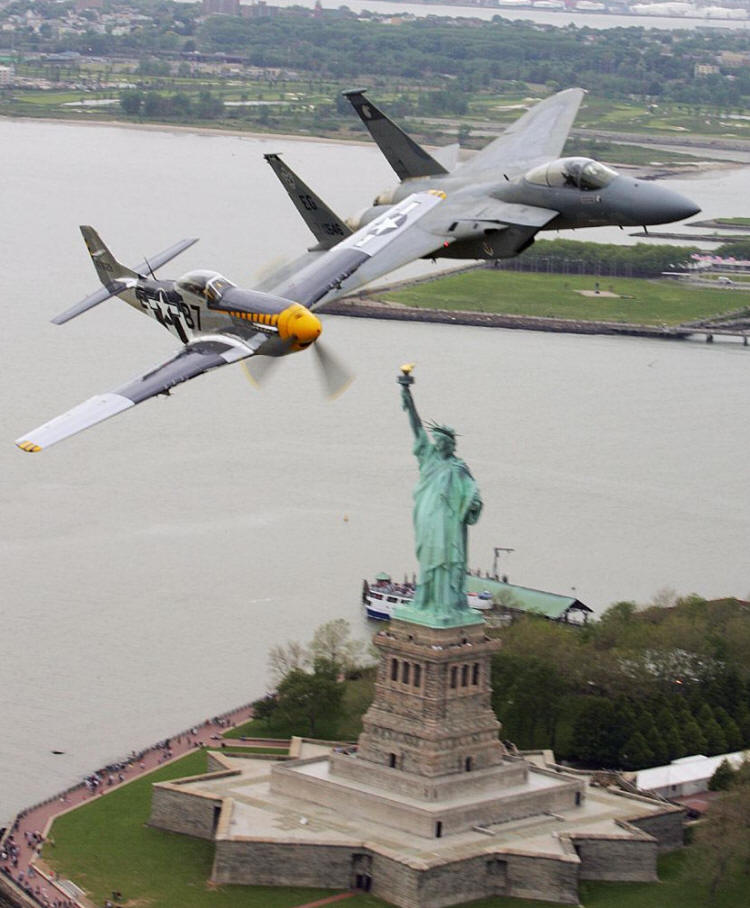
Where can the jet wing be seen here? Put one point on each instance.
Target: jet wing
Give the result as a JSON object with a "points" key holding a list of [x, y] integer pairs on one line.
{"points": [[497, 213], [538, 136], [391, 240], [193, 359]]}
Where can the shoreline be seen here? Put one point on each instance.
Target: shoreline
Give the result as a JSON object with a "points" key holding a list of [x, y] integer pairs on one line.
{"points": [[689, 139], [374, 308], [177, 129], [37, 819]]}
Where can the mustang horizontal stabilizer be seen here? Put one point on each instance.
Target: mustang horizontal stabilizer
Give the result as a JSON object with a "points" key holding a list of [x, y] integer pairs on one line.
{"points": [[193, 359], [161, 258], [93, 299], [112, 274], [538, 136], [403, 154], [391, 240], [327, 228]]}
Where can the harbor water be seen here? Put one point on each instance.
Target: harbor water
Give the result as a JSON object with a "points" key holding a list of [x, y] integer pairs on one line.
{"points": [[148, 564]]}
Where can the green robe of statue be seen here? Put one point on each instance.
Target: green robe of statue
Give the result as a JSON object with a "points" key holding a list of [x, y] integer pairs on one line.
{"points": [[446, 501]]}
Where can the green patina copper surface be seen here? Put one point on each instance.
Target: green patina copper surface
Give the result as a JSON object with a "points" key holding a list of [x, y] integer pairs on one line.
{"points": [[446, 502]]}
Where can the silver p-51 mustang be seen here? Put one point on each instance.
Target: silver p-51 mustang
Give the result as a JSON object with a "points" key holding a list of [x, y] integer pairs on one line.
{"points": [[219, 323]]}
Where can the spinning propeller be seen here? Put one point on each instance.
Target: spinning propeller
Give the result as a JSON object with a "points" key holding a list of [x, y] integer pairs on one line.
{"points": [[334, 375]]}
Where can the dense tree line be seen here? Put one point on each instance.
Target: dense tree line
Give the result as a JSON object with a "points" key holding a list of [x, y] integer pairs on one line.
{"points": [[458, 57], [639, 687], [616, 62], [640, 260], [152, 105]]}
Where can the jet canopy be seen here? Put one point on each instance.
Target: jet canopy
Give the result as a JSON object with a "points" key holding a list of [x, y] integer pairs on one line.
{"points": [[209, 285], [583, 173]]}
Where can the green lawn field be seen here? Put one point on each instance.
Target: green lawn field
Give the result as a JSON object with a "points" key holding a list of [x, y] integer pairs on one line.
{"points": [[106, 846], [643, 302]]}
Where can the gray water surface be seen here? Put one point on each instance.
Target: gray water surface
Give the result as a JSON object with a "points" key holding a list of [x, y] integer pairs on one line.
{"points": [[148, 564]]}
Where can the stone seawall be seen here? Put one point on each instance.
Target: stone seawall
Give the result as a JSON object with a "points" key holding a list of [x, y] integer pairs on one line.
{"points": [[12, 896], [358, 309]]}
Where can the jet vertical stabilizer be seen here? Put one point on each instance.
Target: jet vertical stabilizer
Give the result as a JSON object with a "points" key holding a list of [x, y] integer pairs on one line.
{"points": [[403, 154], [327, 228]]}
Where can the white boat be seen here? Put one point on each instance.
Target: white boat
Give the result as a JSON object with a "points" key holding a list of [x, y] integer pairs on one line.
{"points": [[383, 596]]}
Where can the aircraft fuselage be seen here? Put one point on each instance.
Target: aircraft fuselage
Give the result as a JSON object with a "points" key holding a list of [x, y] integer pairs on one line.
{"points": [[623, 201]]}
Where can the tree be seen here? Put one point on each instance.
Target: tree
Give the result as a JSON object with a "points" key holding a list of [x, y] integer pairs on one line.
{"points": [[283, 659], [723, 838], [593, 737], [265, 707], [332, 643], [722, 778], [636, 753], [692, 736], [131, 102], [304, 699]]}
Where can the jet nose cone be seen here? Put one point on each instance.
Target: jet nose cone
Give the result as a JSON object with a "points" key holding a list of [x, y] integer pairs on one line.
{"points": [[664, 206], [679, 206]]}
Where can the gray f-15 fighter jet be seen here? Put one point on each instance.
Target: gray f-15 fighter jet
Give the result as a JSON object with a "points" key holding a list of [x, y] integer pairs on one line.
{"points": [[496, 202]]}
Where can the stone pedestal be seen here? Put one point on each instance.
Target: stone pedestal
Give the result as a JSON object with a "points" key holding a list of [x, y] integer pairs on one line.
{"points": [[432, 716]]}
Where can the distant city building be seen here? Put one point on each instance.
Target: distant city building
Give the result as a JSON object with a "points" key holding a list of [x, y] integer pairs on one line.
{"points": [[260, 10], [706, 69], [221, 7], [7, 75]]}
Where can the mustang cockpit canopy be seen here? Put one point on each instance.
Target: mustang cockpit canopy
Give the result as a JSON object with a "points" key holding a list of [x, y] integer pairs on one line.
{"points": [[210, 285], [583, 173]]}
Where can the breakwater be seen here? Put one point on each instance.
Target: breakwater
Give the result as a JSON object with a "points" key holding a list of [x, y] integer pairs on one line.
{"points": [[367, 308]]}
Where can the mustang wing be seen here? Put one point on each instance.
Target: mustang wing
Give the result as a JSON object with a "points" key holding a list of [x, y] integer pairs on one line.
{"points": [[193, 359], [538, 136], [393, 239]]}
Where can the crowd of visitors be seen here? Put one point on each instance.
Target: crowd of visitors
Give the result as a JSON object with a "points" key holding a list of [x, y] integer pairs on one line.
{"points": [[21, 843]]}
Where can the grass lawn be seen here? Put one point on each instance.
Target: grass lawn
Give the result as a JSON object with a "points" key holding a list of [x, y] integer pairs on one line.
{"points": [[346, 726], [106, 846], [650, 302], [275, 751], [679, 887]]}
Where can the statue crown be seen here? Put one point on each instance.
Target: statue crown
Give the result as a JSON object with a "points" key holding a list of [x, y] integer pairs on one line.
{"points": [[438, 429]]}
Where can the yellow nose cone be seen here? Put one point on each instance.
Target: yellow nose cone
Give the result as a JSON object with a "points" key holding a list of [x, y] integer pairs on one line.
{"points": [[305, 327], [298, 325]]}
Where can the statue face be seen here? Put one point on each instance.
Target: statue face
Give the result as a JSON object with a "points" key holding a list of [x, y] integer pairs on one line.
{"points": [[445, 444]]}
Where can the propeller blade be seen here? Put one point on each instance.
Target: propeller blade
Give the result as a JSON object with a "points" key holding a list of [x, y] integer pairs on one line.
{"points": [[258, 368], [336, 377]]}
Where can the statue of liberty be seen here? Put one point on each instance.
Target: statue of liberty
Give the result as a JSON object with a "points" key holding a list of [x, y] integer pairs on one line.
{"points": [[446, 501]]}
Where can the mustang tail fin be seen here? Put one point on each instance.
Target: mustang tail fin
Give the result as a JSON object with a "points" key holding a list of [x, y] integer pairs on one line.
{"points": [[112, 274], [403, 154], [107, 266], [327, 228]]}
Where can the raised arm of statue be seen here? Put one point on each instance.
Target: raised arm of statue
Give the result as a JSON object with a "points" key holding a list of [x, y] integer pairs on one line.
{"points": [[407, 402]]}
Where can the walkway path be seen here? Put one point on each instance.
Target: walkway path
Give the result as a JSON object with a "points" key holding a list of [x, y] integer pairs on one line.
{"points": [[23, 840]]}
